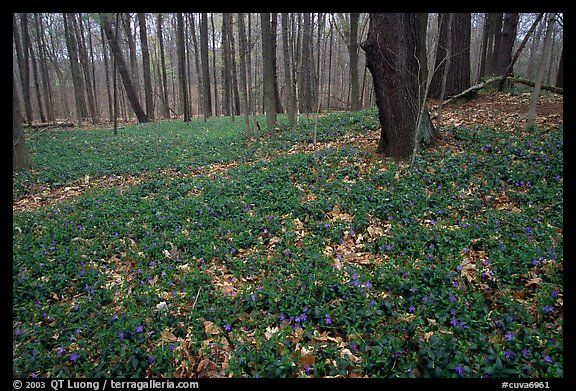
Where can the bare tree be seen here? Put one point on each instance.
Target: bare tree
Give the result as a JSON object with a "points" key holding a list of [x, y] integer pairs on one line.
{"points": [[182, 65], [149, 98], [541, 71], [123, 69], [20, 155], [267, 72]]}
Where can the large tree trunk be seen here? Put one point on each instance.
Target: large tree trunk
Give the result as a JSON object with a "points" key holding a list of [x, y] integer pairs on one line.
{"points": [[23, 66], [506, 45], [20, 155], [44, 68], [123, 69], [392, 41], [274, 34], [560, 74], [459, 71], [77, 80], [494, 37]]}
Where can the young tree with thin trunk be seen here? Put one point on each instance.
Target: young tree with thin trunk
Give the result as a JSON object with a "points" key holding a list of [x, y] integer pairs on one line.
{"points": [[24, 67], [20, 155], [32, 57], [181, 50], [85, 65], [77, 80], [268, 72], [274, 29], [494, 39], [206, 93], [242, 49], [41, 44], [288, 81], [123, 69], [353, 51], [132, 55], [164, 81], [392, 41], [149, 98], [541, 70]]}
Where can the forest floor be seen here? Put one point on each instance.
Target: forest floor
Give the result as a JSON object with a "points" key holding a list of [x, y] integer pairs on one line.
{"points": [[507, 111], [190, 252]]}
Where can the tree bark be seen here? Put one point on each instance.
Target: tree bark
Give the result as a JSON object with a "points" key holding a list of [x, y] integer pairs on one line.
{"points": [[123, 69], [149, 97], [44, 68], [506, 45], [20, 155], [242, 49], [392, 41], [560, 74], [24, 67], [459, 70], [290, 92], [353, 51], [268, 72], [207, 99], [181, 50], [164, 81], [274, 36], [541, 70], [77, 80], [495, 35]]}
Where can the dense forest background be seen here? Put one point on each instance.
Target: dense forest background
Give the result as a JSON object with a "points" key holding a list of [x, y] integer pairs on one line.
{"points": [[204, 64]]}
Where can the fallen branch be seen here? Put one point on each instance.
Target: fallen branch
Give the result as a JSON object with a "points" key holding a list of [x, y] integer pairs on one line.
{"points": [[483, 84]]}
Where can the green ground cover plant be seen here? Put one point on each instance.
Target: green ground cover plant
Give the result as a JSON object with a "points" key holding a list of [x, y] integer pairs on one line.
{"points": [[311, 262]]}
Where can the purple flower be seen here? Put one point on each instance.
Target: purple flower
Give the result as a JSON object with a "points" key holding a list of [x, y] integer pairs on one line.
{"points": [[120, 334], [547, 308], [60, 350], [171, 347], [525, 352], [115, 317], [227, 327], [307, 368], [547, 358], [459, 369], [509, 335], [328, 319], [554, 292], [454, 322], [281, 317], [452, 297], [509, 354], [411, 308], [74, 356], [139, 328], [367, 284], [287, 252]]}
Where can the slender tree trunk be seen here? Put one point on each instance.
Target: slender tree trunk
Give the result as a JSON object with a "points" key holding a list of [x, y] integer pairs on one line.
{"points": [[123, 69], [20, 155], [242, 49], [46, 90], [353, 51], [181, 49], [74, 69], [85, 65], [127, 23], [290, 93], [149, 97], [214, 63], [35, 74], [274, 29], [422, 54], [197, 64], [267, 72], [392, 41], [483, 48], [560, 73], [207, 104], [446, 69], [307, 65], [541, 70], [107, 74], [233, 66], [24, 67], [164, 83], [226, 69]]}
